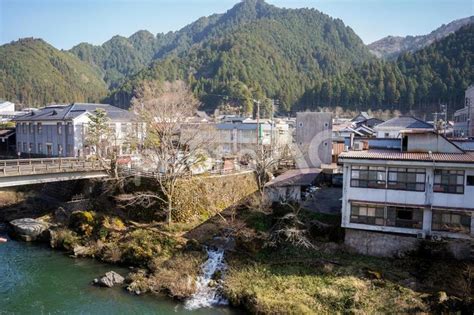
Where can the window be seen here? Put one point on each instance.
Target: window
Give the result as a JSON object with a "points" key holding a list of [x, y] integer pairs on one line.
{"points": [[31, 147], [60, 149], [368, 214], [368, 176], [24, 147], [40, 148], [387, 135], [449, 181], [123, 128], [300, 124], [451, 221], [382, 215], [39, 126], [69, 128], [405, 217], [23, 126], [59, 126], [470, 180], [31, 127], [412, 179]]}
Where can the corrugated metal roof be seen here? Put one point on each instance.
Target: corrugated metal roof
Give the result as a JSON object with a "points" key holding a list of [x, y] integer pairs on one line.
{"points": [[408, 156], [466, 145], [405, 122], [296, 177]]}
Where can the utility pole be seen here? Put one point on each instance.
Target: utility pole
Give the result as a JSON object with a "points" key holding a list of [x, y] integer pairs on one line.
{"points": [[258, 122]]}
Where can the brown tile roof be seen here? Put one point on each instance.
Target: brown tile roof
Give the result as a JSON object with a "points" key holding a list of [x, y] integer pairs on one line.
{"points": [[408, 156]]}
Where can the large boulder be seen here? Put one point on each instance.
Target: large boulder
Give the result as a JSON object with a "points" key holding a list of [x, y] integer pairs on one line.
{"points": [[110, 279], [28, 229]]}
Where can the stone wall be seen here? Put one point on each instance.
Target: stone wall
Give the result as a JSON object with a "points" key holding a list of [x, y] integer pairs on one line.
{"points": [[390, 245], [205, 196]]}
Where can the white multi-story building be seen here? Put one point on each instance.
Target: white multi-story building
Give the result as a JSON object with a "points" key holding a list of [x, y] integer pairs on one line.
{"points": [[61, 130], [394, 198], [463, 124]]}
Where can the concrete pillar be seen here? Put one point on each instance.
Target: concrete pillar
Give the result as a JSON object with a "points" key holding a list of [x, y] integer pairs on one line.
{"points": [[345, 219], [427, 218]]}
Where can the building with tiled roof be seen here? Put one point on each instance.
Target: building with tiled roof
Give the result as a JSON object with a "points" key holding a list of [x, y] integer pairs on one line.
{"points": [[392, 127], [421, 189], [60, 130]]}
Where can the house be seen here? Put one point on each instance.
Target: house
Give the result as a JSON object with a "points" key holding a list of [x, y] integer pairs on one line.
{"points": [[391, 128], [61, 130], [290, 185], [392, 199], [313, 138], [239, 135], [463, 124], [6, 106], [365, 119]]}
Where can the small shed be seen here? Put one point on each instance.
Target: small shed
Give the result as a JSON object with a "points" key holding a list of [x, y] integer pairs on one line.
{"points": [[289, 185]]}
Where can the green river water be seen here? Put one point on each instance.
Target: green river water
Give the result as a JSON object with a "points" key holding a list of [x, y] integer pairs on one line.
{"points": [[37, 280]]}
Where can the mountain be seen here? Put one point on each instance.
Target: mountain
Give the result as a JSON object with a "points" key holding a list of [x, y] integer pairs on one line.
{"points": [[391, 47], [33, 72], [120, 56], [254, 50]]}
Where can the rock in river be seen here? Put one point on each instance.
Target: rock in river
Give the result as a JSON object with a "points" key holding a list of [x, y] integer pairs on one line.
{"points": [[28, 229], [110, 279]]}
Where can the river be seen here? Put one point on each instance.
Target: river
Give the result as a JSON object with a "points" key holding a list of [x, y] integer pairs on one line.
{"points": [[37, 280]]}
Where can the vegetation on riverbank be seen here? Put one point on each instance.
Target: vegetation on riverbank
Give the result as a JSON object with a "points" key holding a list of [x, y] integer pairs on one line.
{"points": [[269, 269]]}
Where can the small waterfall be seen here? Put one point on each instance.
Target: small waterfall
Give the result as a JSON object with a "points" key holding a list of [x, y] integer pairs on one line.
{"points": [[206, 295]]}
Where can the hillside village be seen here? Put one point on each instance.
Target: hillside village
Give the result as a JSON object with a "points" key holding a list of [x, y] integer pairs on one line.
{"points": [[214, 170]]}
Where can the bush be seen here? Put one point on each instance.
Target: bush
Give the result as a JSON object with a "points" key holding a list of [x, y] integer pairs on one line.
{"points": [[111, 253], [64, 238], [82, 222], [115, 223], [140, 246]]}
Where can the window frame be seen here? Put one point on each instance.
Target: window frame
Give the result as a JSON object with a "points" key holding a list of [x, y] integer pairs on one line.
{"points": [[374, 176], [416, 223], [458, 173], [406, 182], [442, 213]]}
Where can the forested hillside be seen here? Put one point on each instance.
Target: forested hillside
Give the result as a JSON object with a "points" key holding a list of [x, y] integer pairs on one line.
{"points": [[300, 57], [391, 47], [33, 72], [307, 60], [256, 50], [439, 73]]}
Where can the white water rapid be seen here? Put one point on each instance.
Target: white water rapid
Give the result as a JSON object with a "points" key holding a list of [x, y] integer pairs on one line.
{"points": [[207, 293]]}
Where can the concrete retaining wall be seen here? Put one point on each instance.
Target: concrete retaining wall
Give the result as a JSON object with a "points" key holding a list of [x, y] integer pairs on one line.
{"points": [[390, 245]]}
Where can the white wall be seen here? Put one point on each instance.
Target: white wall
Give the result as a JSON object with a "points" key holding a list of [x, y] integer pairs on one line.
{"points": [[427, 199]]}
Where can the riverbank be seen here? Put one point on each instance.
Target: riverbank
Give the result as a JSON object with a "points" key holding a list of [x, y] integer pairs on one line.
{"points": [[266, 273], [37, 280]]}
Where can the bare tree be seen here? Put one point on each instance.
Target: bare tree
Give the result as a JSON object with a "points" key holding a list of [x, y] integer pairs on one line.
{"points": [[167, 156], [290, 229]]}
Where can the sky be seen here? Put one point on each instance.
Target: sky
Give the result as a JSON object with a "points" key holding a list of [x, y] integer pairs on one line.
{"points": [[65, 23]]}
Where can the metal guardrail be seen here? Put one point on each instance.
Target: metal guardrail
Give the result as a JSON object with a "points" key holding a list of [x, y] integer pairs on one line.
{"points": [[20, 167]]}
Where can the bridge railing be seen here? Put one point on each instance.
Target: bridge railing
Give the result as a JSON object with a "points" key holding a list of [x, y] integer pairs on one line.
{"points": [[47, 165]]}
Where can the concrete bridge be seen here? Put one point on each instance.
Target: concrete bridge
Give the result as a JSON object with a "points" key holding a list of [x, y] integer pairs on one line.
{"points": [[20, 172]]}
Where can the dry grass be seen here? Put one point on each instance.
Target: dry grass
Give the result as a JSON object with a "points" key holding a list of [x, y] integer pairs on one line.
{"points": [[306, 289], [177, 276]]}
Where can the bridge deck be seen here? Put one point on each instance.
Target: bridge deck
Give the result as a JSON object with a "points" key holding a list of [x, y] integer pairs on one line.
{"points": [[21, 167]]}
